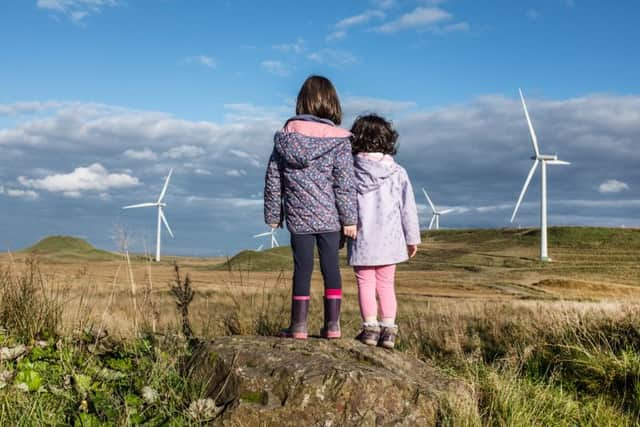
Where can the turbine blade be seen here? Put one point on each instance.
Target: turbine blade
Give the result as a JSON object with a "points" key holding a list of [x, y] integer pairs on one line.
{"points": [[534, 139], [166, 224], [557, 162], [263, 234], [141, 205], [524, 188], [446, 211], [274, 242], [166, 185], [433, 218], [433, 208]]}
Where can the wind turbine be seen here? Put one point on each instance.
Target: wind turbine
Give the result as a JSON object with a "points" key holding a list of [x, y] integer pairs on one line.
{"points": [[544, 160], [435, 219], [272, 233], [161, 218]]}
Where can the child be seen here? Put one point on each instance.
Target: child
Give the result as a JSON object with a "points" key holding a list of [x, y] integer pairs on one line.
{"points": [[388, 228], [311, 168]]}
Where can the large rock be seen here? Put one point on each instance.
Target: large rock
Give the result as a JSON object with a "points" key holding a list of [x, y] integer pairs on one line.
{"points": [[280, 382]]}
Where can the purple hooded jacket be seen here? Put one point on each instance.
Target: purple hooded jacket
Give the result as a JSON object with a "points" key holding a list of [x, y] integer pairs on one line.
{"points": [[311, 169], [387, 213]]}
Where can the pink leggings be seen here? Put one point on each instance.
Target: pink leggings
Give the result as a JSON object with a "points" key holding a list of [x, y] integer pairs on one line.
{"points": [[380, 280]]}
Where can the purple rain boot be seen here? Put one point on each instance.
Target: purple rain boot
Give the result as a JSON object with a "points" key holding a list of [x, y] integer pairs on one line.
{"points": [[332, 302], [298, 327]]}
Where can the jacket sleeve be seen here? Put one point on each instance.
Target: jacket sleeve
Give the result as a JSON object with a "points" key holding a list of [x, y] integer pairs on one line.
{"points": [[344, 185], [273, 190], [409, 213]]}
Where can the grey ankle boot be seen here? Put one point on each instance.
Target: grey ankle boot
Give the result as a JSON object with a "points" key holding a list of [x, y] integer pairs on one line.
{"points": [[370, 334], [388, 336], [331, 329], [298, 327]]}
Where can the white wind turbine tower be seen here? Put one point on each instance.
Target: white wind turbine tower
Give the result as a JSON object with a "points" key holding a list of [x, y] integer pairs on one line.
{"points": [[544, 159], [435, 219], [272, 233], [161, 218]]}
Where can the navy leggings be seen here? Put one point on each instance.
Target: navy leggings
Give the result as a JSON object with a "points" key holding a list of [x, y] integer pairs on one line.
{"points": [[328, 246]]}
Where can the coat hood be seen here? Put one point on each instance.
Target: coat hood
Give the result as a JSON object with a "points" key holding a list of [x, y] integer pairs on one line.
{"points": [[371, 173], [306, 138]]}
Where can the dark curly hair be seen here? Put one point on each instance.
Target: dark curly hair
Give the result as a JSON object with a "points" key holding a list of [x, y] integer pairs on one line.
{"points": [[372, 133]]}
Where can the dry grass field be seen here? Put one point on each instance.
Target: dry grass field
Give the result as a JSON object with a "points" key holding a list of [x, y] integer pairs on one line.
{"points": [[540, 344]]}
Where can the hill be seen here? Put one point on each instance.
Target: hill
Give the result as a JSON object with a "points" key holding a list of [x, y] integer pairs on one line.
{"points": [[69, 249], [579, 252]]}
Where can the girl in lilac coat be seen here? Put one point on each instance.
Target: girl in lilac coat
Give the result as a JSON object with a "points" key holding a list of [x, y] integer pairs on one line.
{"points": [[388, 229]]}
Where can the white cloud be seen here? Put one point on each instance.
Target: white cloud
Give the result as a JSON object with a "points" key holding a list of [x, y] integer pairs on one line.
{"points": [[341, 27], [184, 152], [275, 67], [204, 60], [457, 27], [144, 154], [356, 105], [419, 18], [612, 186], [91, 178], [384, 4], [20, 108], [296, 47], [23, 194], [76, 10], [236, 172], [359, 19], [336, 35], [332, 57], [248, 156], [533, 14]]}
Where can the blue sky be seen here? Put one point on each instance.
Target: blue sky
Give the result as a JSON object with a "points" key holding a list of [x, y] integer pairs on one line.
{"points": [[99, 98]]}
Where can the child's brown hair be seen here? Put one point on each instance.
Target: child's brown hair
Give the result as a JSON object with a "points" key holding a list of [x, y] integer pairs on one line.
{"points": [[319, 98], [373, 134]]}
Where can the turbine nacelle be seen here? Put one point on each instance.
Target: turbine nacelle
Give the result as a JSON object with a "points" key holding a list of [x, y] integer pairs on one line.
{"points": [[545, 157]]}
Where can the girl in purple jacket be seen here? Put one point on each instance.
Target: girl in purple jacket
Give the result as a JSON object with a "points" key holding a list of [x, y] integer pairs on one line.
{"points": [[388, 228], [310, 185]]}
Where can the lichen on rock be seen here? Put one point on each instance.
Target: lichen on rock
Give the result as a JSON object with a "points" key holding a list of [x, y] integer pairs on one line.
{"points": [[273, 381]]}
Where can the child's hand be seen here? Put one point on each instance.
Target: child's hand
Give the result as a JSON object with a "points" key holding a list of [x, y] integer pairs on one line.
{"points": [[274, 225], [351, 231], [412, 250]]}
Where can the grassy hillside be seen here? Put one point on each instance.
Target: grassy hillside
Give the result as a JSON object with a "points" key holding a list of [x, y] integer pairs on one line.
{"points": [[69, 249], [267, 260], [578, 252]]}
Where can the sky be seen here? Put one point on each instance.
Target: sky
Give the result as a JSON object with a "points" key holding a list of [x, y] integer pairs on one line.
{"points": [[100, 98]]}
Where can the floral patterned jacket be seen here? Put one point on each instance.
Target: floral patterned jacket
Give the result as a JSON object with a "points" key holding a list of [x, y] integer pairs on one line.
{"points": [[311, 171]]}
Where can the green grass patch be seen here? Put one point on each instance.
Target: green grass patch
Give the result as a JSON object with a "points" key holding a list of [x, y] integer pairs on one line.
{"points": [[69, 249]]}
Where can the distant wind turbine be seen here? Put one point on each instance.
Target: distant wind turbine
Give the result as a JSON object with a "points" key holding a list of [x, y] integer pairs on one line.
{"points": [[161, 218], [272, 233], [544, 159], [435, 219]]}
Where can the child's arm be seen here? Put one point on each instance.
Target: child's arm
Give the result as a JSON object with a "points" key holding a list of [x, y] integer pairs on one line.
{"points": [[409, 213], [273, 191], [344, 185]]}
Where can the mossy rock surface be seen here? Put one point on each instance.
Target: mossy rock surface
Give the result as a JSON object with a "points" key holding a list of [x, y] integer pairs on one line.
{"points": [[273, 381]]}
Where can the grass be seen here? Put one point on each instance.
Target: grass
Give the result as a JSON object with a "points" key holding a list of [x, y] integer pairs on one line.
{"points": [[564, 350], [69, 249]]}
